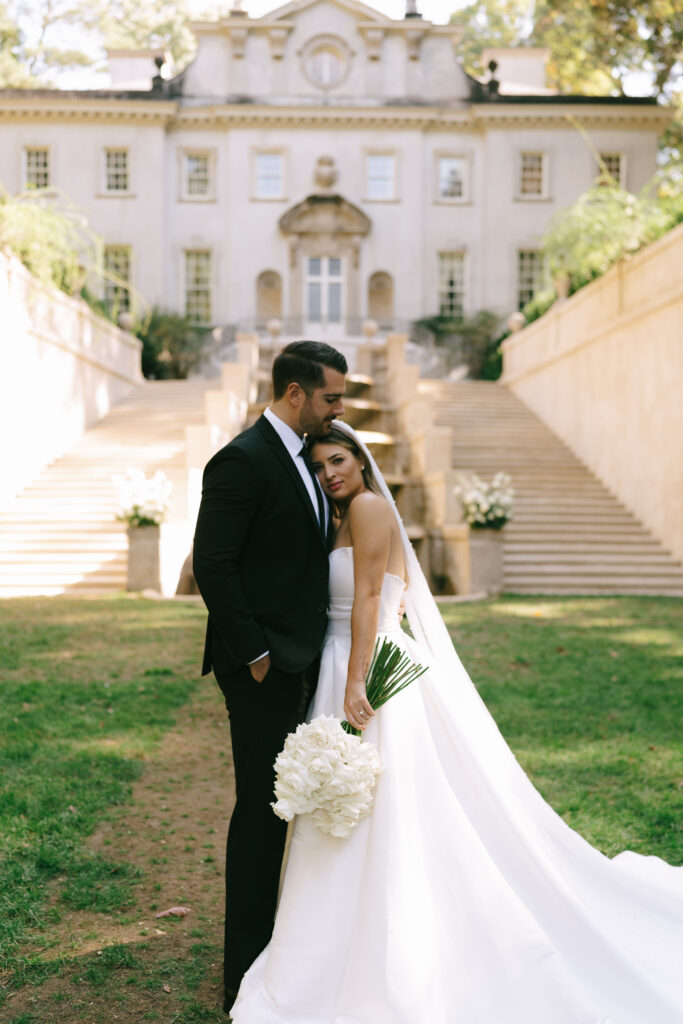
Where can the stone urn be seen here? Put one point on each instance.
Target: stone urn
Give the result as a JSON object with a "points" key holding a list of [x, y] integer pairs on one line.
{"points": [[486, 559], [143, 558]]}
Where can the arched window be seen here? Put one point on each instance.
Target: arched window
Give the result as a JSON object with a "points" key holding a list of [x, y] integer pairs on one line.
{"points": [[268, 297], [381, 298]]}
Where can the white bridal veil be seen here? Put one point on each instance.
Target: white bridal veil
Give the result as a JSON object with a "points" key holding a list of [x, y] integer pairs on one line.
{"points": [[616, 922]]}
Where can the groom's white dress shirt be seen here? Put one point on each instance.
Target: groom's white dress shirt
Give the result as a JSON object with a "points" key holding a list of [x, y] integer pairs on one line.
{"points": [[293, 443]]}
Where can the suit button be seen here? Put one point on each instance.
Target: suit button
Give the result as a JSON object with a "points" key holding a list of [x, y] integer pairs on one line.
{"points": [[322, 608]]}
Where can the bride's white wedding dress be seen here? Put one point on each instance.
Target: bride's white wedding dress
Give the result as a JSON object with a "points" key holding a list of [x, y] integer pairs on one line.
{"points": [[463, 898]]}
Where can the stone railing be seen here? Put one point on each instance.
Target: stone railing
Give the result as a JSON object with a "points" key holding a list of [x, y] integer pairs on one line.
{"points": [[62, 368], [603, 369]]}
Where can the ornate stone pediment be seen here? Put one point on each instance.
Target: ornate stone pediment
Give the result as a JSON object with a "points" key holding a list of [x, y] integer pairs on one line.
{"points": [[325, 214]]}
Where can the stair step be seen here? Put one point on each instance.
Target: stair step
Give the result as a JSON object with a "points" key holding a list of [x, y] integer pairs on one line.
{"points": [[569, 533]]}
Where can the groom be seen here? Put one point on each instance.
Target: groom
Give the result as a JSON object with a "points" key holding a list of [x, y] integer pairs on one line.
{"points": [[261, 564]]}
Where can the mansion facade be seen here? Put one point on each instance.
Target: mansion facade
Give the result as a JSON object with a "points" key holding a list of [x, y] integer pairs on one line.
{"points": [[323, 164]]}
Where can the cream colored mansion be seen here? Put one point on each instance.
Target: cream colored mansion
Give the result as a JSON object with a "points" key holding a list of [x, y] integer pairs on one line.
{"points": [[323, 164]]}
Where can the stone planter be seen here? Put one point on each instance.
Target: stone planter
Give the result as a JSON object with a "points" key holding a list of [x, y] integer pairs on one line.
{"points": [[486, 560], [144, 564]]}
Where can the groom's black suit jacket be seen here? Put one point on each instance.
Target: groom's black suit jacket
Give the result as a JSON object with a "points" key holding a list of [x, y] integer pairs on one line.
{"points": [[260, 557]]}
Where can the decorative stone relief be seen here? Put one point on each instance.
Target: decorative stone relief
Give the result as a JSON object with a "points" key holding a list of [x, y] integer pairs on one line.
{"points": [[278, 42], [374, 37], [325, 174], [238, 42], [414, 39]]}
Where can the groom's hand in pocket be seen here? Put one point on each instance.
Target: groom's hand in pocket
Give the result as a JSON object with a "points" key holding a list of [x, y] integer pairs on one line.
{"points": [[259, 669]]}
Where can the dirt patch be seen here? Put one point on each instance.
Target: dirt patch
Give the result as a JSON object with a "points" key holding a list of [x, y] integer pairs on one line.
{"points": [[174, 832]]}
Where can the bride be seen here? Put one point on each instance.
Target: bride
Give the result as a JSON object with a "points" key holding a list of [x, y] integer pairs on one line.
{"points": [[463, 898]]}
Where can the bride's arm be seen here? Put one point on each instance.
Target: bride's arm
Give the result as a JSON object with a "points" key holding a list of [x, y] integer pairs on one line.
{"points": [[370, 523]]}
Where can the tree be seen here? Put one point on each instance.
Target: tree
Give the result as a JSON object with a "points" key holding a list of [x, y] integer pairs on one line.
{"points": [[593, 44], [13, 73], [491, 23], [35, 35], [160, 24], [41, 30]]}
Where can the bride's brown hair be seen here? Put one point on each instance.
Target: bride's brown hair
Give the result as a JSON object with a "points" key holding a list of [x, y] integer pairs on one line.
{"points": [[344, 440]]}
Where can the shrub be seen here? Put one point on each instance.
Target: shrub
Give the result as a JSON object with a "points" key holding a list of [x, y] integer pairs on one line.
{"points": [[172, 346]]}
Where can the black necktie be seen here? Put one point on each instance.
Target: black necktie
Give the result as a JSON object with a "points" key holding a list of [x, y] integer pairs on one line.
{"points": [[316, 486]]}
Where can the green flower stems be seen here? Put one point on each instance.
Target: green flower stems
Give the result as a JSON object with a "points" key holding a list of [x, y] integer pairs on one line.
{"points": [[391, 670]]}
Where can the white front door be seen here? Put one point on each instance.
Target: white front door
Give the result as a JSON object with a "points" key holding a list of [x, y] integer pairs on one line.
{"points": [[324, 294]]}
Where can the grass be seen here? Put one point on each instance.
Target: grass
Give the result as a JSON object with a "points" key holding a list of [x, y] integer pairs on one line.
{"points": [[88, 687], [587, 691]]}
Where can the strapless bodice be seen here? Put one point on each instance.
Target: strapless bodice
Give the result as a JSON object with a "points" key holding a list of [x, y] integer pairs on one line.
{"points": [[341, 596]]}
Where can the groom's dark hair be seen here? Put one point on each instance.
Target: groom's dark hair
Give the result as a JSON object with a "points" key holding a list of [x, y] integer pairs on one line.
{"points": [[303, 361]]}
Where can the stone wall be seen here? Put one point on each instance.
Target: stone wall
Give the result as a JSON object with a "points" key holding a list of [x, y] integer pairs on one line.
{"points": [[61, 369], [604, 370]]}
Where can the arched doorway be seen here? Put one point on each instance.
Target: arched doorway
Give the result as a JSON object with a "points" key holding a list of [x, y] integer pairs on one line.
{"points": [[381, 298], [268, 297], [325, 233]]}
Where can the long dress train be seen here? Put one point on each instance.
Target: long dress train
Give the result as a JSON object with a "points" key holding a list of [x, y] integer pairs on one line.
{"points": [[463, 898]]}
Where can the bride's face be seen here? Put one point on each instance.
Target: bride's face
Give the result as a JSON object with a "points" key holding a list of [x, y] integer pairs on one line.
{"points": [[339, 472]]}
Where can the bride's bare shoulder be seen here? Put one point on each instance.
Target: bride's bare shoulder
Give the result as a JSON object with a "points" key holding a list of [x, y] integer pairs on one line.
{"points": [[369, 508]]}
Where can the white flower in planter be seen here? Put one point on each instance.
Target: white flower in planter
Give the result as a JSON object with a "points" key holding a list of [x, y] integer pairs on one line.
{"points": [[485, 505], [143, 502]]}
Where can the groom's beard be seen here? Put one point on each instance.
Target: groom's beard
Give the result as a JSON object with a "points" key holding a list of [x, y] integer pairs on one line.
{"points": [[312, 424]]}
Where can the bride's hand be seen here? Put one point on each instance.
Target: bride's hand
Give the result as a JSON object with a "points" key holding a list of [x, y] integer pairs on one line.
{"points": [[356, 706]]}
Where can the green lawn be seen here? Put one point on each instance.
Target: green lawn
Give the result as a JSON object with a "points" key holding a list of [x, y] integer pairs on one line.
{"points": [[587, 691]]}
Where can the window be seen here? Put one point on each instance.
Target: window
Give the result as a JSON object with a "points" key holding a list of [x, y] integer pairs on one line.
{"points": [[614, 165], [452, 284], [198, 286], [197, 175], [117, 270], [326, 66], [324, 285], [452, 180], [37, 170], [381, 176], [116, 170], [530, 275], [532, 175], [326, 61], [269, 176]]}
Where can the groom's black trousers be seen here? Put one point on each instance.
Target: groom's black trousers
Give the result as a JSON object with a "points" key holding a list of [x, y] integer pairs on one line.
{"points": [[261, 716]]}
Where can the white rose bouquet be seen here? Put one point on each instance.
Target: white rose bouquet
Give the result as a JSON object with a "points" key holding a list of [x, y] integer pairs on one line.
{"points": [[325, 770], [143, 502], [484, 504]]}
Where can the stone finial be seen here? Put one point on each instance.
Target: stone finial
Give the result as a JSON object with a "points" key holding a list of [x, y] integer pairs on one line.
{"points": [[369, 328], [237, 9], [411, 9], [274, 328], [515, 322], [325, 174]]}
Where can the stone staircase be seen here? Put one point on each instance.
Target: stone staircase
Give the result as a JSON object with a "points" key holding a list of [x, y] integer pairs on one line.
{"points": [[61, 533], [570, 534]]}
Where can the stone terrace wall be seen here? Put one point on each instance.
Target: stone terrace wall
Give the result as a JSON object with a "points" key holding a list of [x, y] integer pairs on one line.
{"points": [[604, 370], [61, 369]]}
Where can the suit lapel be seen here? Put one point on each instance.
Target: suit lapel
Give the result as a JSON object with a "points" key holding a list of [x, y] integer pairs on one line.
{"points": [[281, 453]]}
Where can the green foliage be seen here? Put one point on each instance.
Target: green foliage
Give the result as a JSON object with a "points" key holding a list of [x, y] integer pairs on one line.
{"points": [[172, 346], [490, 23], [469, 340], [37, 47], [158, 25], [604, 225], [50, 236], [593, 46]]}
